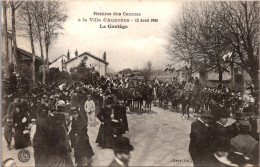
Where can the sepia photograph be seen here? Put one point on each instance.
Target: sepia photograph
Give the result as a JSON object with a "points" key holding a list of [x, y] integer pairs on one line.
{"points": [[112, 83]]}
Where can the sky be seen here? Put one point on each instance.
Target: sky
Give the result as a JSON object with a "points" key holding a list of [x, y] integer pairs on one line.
{"points": [[131, 48]]}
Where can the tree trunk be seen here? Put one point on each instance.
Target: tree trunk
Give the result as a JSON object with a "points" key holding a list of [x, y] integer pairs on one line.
{"points": [[220, 76], [14, 35], [41, 48], [32, 45], [44, 72], [5, 41], [47, 57]]}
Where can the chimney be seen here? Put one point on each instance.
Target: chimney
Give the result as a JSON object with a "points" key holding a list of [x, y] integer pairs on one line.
{"points": [[68, 55], [105, 56], [76, 53]]}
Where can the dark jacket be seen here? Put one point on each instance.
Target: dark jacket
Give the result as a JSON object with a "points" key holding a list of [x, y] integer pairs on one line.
{"points": [[222, 136], [200, 138], [120, 115], [106, 129], [79, 138], [17, 120], [11, 108]]}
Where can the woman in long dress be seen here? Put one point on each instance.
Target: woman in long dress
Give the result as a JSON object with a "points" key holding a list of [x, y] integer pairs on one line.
{"points": [[105, 136], [21, 121]]}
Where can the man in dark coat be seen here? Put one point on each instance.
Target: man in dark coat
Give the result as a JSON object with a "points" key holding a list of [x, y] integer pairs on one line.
{"points": [[200, 140], [122, 152]]}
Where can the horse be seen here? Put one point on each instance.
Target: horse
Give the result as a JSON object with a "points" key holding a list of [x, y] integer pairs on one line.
{"points": [[148, 97], [185, 102], [176, 99]]}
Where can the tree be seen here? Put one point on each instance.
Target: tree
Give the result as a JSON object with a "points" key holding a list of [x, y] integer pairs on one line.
{"points": [[26, 15], [36, 8], [206, 31], [14, 6], [182, 39], [240, 26], [52, 17], [209, 42], [5, 39], [147, 72]]}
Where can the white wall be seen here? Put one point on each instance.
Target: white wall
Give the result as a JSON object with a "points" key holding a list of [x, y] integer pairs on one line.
{"points": [[90, 62], [57, 63]]}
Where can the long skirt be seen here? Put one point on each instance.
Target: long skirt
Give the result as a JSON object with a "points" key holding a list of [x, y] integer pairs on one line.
{"points": [[19, 139], [105, 136]]}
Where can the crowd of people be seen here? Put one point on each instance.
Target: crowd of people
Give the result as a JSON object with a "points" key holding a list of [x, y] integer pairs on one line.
{"points": [[54, 118]]}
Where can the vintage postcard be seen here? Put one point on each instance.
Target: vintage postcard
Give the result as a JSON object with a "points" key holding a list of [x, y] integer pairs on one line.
{"points": [[130, 83]]}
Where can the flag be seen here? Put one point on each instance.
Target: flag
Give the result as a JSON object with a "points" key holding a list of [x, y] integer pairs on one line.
{"points": [[172, 69], [227, 57], [167, 68]]}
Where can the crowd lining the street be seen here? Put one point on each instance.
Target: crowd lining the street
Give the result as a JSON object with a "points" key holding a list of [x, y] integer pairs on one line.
{"points": [[54, 119]]}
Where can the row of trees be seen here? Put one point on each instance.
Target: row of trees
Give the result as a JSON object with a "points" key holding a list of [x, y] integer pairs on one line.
{"points": [[38, 21], [206, 31]]}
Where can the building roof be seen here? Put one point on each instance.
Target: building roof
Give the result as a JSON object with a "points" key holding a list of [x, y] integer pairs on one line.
{"points": [[28, 54], [88, 54]]}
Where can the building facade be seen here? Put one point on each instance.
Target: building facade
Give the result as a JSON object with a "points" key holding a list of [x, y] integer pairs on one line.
{"points": [[90, 60], [24, 58]]}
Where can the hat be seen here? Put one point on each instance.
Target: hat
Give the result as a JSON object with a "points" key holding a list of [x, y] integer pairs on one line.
{"points": [[89, 95], [9, 162], [122, 144], [61, 103], [206, 113], [73, 112]]}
